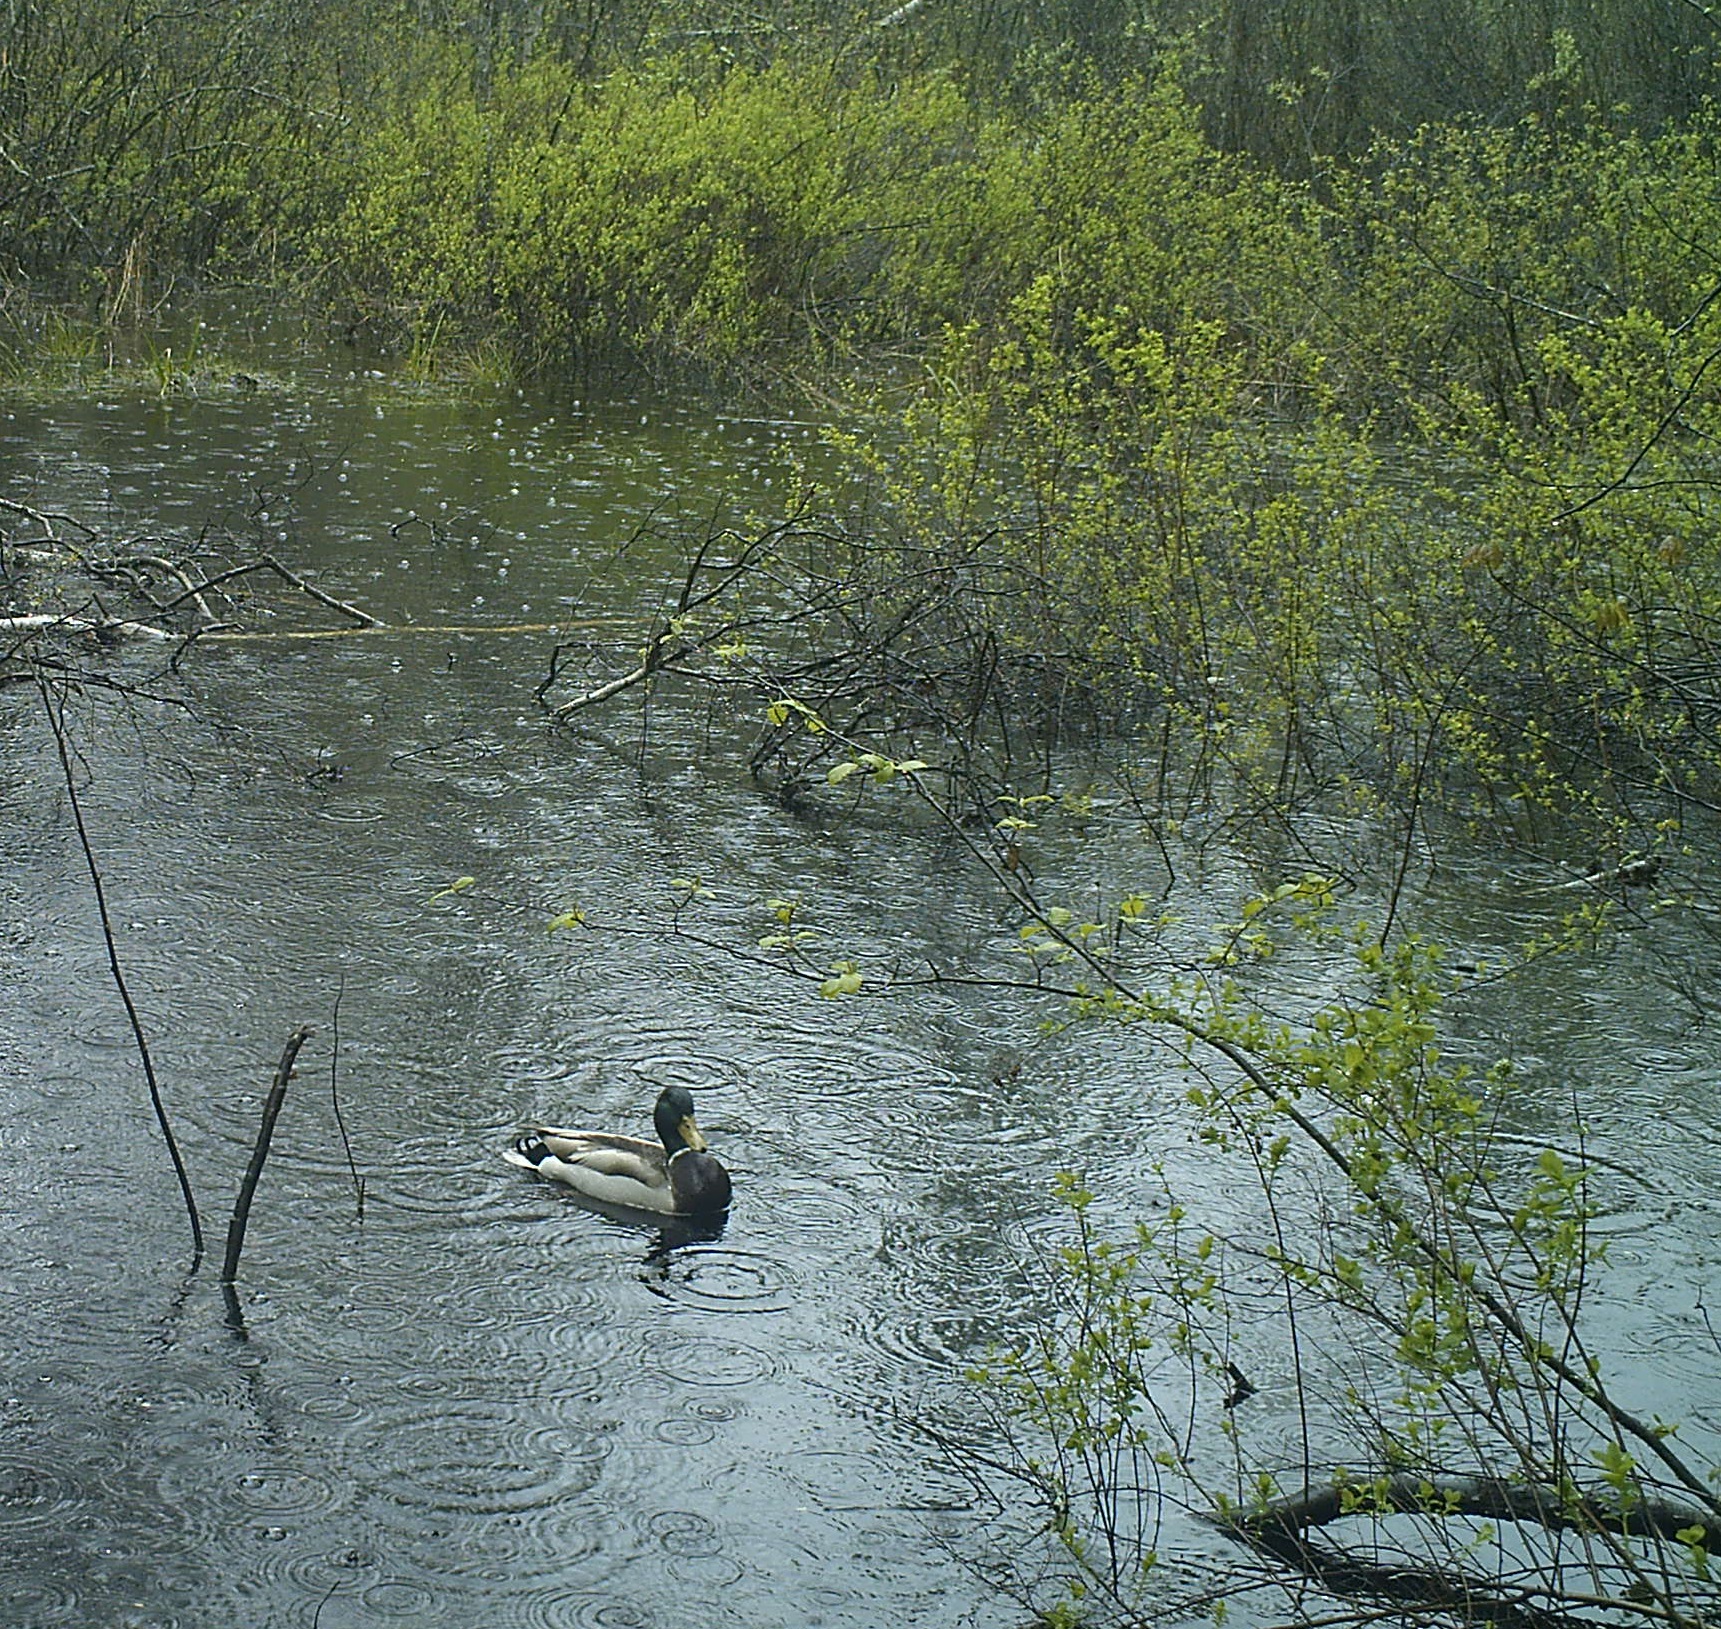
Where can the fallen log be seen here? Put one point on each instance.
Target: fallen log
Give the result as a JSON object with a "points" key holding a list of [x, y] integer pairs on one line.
{"points": [[101, 626], [1492, 1498], [1283, 1530]]}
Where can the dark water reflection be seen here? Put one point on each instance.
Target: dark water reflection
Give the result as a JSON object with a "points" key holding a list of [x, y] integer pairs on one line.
{"points": [[486, 1403]]}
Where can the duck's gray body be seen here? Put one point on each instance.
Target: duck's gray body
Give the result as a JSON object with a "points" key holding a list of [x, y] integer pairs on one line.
{"points": [[678, 1176]]}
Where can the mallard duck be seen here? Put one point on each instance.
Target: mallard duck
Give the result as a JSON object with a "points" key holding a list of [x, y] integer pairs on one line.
{"points": [[682, 1178]]}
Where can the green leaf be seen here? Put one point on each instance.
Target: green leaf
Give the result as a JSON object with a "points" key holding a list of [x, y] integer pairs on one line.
{"points": [[845, 979]]}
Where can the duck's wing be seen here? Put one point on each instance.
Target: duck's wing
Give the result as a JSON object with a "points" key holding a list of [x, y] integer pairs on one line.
{"points": [[623, 1170], [603, 1151]]}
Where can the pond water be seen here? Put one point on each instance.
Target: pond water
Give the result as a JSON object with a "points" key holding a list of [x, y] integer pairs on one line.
{"points": [[478, 1402]]}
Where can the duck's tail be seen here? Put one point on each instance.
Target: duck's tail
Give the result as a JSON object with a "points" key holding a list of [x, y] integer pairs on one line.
{"points": [[528, 1152]]}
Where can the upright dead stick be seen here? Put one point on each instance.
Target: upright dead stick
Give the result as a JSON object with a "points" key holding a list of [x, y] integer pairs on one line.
{"points": [[265, 1131]]}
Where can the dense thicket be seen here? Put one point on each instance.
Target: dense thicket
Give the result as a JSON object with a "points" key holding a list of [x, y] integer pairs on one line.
{"points": [[1121, 313], [213, 133], [1290, 81]]}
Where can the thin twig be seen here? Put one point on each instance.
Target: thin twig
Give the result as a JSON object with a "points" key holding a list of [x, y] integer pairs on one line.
{"points": [[45, 519], [335, 1098], [57, 724]]}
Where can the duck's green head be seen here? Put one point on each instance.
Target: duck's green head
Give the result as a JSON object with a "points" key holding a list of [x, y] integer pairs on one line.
{"points": [[675, 1123]]}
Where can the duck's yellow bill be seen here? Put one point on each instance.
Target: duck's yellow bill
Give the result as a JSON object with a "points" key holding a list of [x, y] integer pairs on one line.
{"points": [[691, 1135]]}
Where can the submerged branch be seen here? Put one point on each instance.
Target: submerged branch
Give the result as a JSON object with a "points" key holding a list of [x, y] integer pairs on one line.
{"points": [[46, 520], [657, 658], [673, 642], [72, 608], [1424, 1591]]}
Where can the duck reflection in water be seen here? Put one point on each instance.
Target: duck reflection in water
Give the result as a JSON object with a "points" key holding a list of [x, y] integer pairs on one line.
{"points": [[668, 1235]]}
